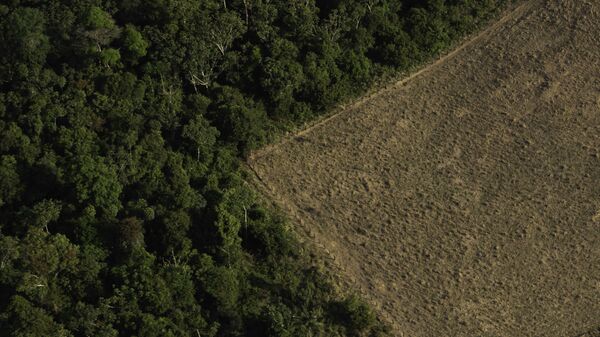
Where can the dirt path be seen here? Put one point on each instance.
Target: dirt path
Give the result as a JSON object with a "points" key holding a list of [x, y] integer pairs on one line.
{"points": [[511, 15], [464, 200]]}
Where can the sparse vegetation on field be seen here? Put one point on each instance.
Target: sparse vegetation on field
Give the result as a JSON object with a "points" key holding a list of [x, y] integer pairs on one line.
{"points": [[464, 200]]}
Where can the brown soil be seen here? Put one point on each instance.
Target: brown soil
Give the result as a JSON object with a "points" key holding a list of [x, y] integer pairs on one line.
{"points": [[465, 200]]}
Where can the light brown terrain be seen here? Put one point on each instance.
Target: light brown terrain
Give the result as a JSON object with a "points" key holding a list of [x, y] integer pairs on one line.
{"points": [[465, 200]]}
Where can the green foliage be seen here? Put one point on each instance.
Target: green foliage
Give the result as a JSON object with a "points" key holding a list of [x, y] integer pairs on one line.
{"points": [[99, 19], [96, 182], [110, 57], [23, 37], [123, 207], [99, 31], [134, 42], [355, 314], [9, 179], [23, 319], [239, 118]]}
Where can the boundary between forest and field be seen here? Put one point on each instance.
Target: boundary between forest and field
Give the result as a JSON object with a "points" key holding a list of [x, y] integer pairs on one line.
{"points": [[514, 11]]}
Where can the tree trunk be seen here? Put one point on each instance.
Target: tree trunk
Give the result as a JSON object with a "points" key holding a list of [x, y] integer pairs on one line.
{"points": [[246, 10]]}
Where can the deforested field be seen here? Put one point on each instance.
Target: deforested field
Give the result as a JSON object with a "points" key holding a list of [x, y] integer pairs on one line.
{"points": [[465, 199]]}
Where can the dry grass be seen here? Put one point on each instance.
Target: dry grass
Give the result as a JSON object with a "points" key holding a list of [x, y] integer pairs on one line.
{"points": [[465, 200]]}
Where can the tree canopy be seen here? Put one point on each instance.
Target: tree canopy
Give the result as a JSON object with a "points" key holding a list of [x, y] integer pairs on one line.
{"points": [[123, 207]]}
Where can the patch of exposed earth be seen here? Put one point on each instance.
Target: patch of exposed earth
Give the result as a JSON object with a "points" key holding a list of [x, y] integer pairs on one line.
{"points": [[465, 199]]}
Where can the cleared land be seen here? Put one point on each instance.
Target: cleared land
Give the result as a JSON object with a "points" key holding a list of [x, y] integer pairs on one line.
{"points": [[465, 201]]}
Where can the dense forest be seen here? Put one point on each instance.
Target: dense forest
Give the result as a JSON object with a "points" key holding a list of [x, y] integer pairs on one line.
{"points": [[123, 207]]}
